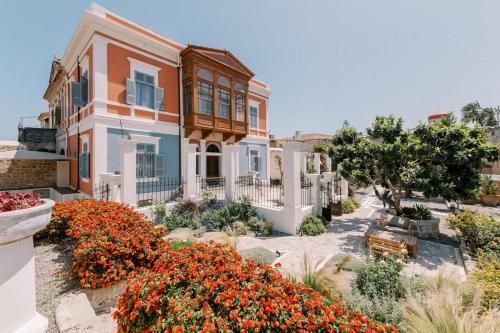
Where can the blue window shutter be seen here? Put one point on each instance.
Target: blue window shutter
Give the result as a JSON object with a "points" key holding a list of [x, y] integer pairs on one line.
{"points": [[80, 160], [159, 99], [84, 82], [259, 170], [159, 166], [130, 94], [76, 94]]}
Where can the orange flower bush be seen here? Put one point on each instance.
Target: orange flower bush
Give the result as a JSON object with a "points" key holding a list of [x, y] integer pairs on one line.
{"points": [[208, 288], [112, 240]]}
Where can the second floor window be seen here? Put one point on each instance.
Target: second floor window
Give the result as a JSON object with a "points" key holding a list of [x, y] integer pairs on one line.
{"points": [[205, 97], [145, 90], [239, 106], [254, 117], [188, 98], [224, 102], [84, 161]]}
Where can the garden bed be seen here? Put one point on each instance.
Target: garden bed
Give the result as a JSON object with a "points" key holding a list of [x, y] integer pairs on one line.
{"points": [[424, 229]]}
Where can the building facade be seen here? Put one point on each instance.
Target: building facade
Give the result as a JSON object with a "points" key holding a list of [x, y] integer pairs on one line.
{"points": [[118, 80]]}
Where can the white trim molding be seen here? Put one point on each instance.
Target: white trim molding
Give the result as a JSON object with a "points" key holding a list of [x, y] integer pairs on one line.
{"points": [[154, 140], [143, 67]]}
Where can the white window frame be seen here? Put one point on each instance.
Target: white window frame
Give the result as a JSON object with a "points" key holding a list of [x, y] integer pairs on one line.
{"points": [[250, 149], [85, 141], [140, 66], [257, 106], [154, 140]]}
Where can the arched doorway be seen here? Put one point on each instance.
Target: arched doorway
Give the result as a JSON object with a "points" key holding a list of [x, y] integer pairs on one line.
{"points": [[213, 160]]}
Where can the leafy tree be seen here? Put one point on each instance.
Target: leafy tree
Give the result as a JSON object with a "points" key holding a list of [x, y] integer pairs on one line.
{"points": [[381, 158], [346, 124], [474, 113], [441, 159], [450, 159]]}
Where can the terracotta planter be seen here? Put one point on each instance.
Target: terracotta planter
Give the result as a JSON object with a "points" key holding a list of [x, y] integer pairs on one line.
{"points": [[17, 274], [490, 200]]}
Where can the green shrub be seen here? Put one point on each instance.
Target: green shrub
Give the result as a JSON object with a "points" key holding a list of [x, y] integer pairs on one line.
{"points": [[311, 226], [159, 210], [256, 224], [186, 206], [349, 205], [208, 200], [488, 185], [240, 228], [417, 212], [488, 276], [261, 255], [377, 278], [383, 309], [176, 221], [480, 232], [217, 219]]}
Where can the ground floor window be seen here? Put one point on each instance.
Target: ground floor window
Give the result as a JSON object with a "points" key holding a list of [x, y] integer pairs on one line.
{"points": [[255, 161], [148, 163]]}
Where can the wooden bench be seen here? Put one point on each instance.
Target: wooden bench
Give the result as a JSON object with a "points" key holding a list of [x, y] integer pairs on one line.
{"points": [[379, 246]]}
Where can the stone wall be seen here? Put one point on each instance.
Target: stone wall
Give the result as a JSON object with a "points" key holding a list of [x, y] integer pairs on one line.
{"points": [[11, 145], [20, 174]]}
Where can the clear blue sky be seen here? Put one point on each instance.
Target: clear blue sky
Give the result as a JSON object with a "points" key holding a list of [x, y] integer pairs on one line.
{"points": [[326, 61]]}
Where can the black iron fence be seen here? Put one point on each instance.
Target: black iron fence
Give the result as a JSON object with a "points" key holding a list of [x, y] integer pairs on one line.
{"points": [[262, 192], [305, 191], [150, 190], [331, 197], [101, 191], [214, 185]]}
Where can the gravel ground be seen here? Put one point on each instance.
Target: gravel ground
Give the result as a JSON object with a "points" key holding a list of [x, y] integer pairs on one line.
{"points": [[52, 259]]}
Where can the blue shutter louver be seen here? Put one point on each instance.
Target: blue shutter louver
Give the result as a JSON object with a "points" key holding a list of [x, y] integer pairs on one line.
{"points": [[159, 99], [76, 94], [84, 84], [159, 166], [130, 93]]}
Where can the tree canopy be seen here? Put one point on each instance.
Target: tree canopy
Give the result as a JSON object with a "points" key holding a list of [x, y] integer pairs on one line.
{"points": [[475, 113], [441, 159]]}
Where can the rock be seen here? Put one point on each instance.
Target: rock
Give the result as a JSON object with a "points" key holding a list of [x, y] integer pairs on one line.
{"points": [[215, 236], [103, 298], [74, 313], [104, 323], [184, 235]]}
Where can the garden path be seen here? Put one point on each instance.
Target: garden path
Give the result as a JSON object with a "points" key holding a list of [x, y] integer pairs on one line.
{"points": [[345, 235]]}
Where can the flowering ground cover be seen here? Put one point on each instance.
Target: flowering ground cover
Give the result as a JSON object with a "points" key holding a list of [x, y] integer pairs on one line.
{"points": [[209, 288], [192, 288], [112, 240], [14, 201]]}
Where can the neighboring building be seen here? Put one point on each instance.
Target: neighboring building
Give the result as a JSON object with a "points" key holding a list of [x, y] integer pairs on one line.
{"points": [[438, 115], [118, 80], [493, 136], [44, 120], [307, 140]]}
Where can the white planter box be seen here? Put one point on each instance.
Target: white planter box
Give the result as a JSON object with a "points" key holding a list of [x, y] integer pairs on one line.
{"points": [[421, 228], [17, 274]]}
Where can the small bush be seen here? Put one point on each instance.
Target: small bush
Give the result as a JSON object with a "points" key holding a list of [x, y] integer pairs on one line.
{"points": [[349, 205], [478, 231], [377, 278], [417, 212], [208, 200], [256, 224], [488, 277], [311, 226], [185, 220], [239, 228], [216, 220], [159, 210], [383, 309], [261, 255], [186, 206]]}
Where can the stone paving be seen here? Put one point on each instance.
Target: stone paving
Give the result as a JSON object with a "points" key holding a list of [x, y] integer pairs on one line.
{"points": [[345, 235]]}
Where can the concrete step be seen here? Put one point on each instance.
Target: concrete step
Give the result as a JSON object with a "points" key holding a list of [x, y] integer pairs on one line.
{"points": [[74, 313]]}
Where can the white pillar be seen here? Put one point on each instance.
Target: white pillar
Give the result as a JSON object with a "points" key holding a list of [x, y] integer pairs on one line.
{"points": [[328, 164], [100, 68], [128, 149], [315, 191], [230, 167], [190, 171], [100, 159], [203, 158], [317, 162], [291, 174]]}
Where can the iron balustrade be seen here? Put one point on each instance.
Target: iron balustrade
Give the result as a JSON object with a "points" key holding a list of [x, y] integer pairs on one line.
{"points": [[305, 191], [262, 192], [101, 191], [162, 189], [214, 185]]}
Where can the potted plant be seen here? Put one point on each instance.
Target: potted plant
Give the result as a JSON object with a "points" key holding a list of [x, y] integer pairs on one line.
{"points": [[489, 196], [21, 216], [417, 219]]}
